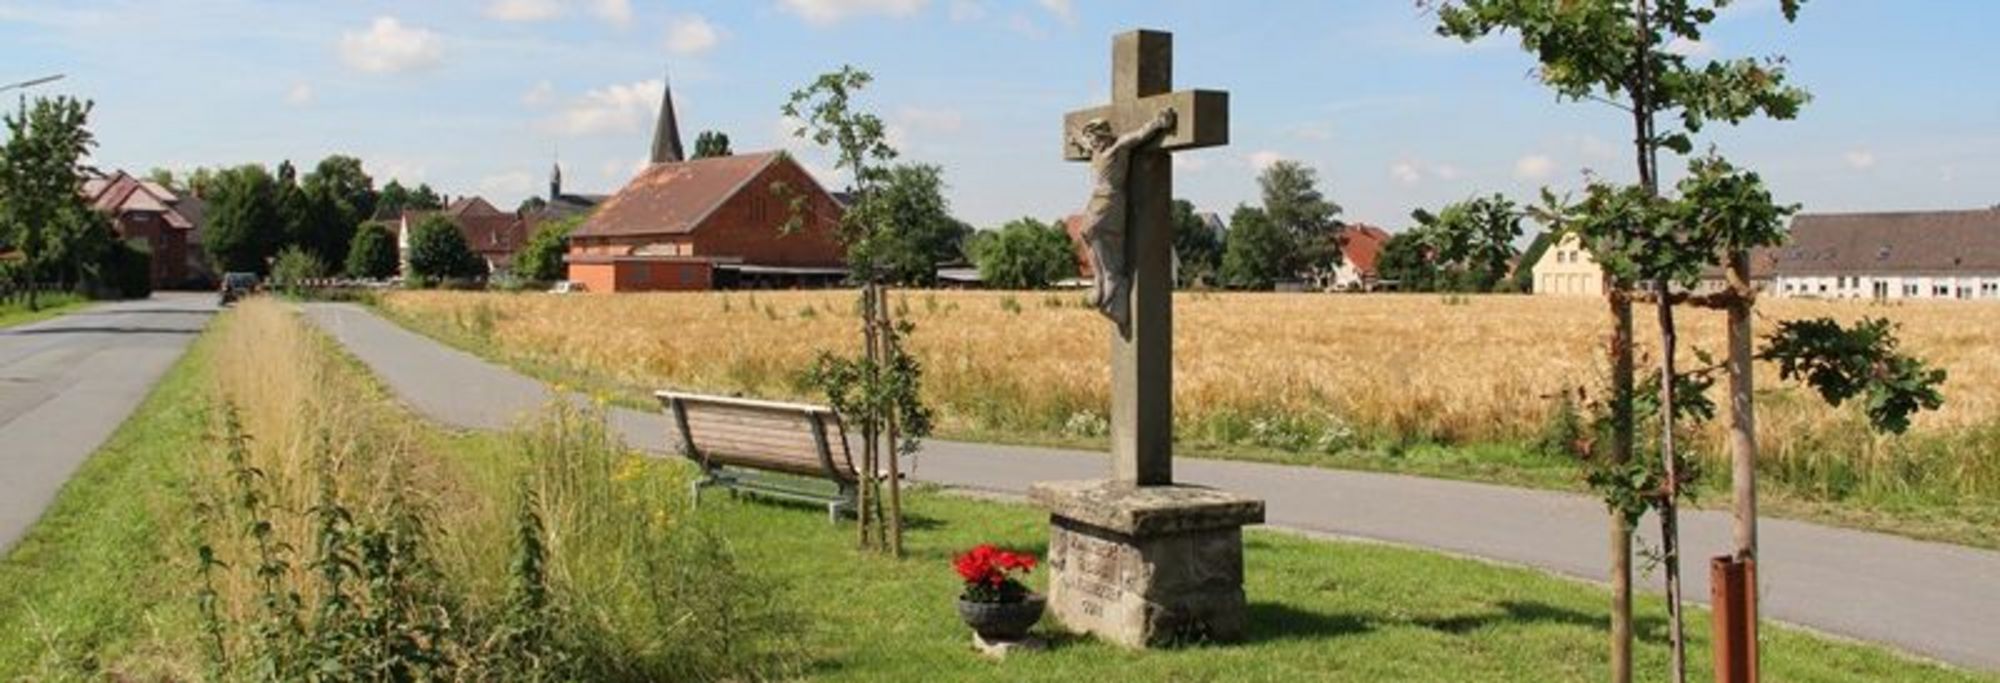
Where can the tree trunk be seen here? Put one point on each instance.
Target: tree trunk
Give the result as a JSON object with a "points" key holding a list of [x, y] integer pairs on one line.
{"points": [[1621, 452], [1743, 431], [891, 353], [1670, 554], [864, 504]]}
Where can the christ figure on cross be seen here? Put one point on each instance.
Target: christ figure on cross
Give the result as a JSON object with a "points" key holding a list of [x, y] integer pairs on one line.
{"points": [[1105, 218]]}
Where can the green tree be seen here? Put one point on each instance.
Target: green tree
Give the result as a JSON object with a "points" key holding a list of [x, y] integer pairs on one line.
{"points": [[245, 226], [389, 204], [542, 259], [372, 255], [711, 144], [1472, 239], [438, 252], [425, 199], [39, 177], [1406, 260], [918, 231], [1294, 203], [1025, 254], [294, 266], [165, 178], [1258, 253], [1198, 246], [1621, 52], [341, 179]]}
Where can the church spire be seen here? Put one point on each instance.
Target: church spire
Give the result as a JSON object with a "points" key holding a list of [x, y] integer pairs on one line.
{"points": [[667, 132]]}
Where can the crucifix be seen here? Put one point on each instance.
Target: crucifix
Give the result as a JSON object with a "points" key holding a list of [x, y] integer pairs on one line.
{"points": [[1129, 229]]}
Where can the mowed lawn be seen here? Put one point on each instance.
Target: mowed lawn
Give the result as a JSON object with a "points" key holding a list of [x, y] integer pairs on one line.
{"points": [[1461, 387], [104, 586], [14, 313]]}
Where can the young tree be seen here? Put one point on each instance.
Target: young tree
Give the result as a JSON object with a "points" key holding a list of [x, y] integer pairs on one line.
{"points": [[1197, 246], [542, 259], [1025, 254], [245, 226], [390, 203], [438, 252], [1619, 52], [1294, 203], [293, 267], [880, 389], [1258, 252], [373, 253], [39, 177], [711, 144]]}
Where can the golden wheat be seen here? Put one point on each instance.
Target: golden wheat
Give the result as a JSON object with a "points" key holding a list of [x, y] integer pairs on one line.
{"points": [[1455, 370]]}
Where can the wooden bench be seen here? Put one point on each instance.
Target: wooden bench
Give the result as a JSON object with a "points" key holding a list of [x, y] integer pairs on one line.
{"points": [[732, 439]]}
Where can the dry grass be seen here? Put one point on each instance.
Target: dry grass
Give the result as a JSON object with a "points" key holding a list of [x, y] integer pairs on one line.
{"points": [[1405, 368]]}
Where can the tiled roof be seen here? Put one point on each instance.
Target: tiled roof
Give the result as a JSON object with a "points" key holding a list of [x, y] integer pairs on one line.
{"points": [[1361, 244], [1911, 243], [674, 198]]}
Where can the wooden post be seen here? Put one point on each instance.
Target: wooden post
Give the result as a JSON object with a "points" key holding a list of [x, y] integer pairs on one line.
{"points": [[1621, 452], [1743, 442]]}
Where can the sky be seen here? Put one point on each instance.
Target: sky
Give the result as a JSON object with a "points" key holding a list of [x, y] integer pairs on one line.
{"points": [[483, 96]]}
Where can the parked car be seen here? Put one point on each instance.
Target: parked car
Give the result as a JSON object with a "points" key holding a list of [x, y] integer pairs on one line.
{"points": [[568, 287], [237, 285]]}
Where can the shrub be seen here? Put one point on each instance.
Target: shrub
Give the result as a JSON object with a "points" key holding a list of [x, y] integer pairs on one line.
{"points": [[372, 255], [125, 271], [1025, 254], [293, 268], [439, 252]]}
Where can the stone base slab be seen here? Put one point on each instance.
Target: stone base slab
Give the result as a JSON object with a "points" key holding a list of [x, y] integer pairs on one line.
{"points": [[1147, 566]]}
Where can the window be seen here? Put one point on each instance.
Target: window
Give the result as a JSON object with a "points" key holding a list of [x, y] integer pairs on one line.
{"points": [[1940, 290], [1910, 289]]}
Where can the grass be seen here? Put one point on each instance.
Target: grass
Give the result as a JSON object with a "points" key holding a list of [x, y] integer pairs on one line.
{"points": [[104, 587], [14, 313], [1396, 383]]}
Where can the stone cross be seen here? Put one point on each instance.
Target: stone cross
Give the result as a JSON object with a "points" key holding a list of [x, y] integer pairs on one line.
{"points": [[1142, 365]]}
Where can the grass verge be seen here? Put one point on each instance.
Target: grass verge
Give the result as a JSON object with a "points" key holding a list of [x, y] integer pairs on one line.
{"points": [[105, 585], [52, 305]]}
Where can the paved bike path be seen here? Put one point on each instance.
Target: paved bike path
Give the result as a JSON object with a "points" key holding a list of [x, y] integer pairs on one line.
{"points": [[1938, 600]]}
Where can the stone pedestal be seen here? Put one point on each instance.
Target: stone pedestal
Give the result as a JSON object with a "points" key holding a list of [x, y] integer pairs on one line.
{"points": [[1145, 566]]}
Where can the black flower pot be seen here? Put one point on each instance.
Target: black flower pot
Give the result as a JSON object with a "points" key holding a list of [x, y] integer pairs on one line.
{"points": [[1003, 620]]}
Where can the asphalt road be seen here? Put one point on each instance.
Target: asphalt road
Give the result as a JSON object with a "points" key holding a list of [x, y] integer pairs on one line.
{"points": [[66, 384], [1937, 600]]}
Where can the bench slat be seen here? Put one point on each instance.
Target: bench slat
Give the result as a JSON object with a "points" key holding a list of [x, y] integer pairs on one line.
{"points": [[795, 424], [760, 450]]}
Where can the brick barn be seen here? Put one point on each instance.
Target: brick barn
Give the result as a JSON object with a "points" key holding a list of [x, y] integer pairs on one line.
{"points": [[145, 212], [715, 223]]}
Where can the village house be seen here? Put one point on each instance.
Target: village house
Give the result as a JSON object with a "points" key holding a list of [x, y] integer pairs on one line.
{"points": [[744, 221], [493, 235], [1887, 255], [146, 212], [1360, 251], [1905, 255]]}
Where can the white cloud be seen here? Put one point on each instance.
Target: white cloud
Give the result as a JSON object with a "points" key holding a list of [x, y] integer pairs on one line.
{"points": [[1690, 48], [1406, 173], [1860, 159], [523, 10], [618, 12], [1534, 167], [539, 95], [1446, 172], [1263, 159], [299, 95], [824, 12], [1063, 9], [692, 35], [621, 108], [967, 10], [390, 47]]}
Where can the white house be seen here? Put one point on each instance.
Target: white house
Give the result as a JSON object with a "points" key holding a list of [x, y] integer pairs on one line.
{"points": [[1906, 255], [1567, 269]]}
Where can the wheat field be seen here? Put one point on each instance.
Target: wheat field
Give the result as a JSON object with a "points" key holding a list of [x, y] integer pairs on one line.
{"points": [[1325, 369]]}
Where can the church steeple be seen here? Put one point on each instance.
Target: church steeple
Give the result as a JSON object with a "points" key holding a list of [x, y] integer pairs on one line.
{"points": [[555, 181], [667, 132]]}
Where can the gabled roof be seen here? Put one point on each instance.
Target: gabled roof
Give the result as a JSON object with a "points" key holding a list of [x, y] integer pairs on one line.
{"points": [[1361, 244], [675, 198], [473, 205], [121, 192], [1916, 242]]}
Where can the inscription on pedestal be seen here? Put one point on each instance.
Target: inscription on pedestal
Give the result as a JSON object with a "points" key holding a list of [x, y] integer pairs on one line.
{"points": [[1152, 589]]}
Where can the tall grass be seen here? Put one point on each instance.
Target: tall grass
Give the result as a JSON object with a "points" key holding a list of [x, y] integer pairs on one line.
{"points": [[337, 538], [1302, 372]]}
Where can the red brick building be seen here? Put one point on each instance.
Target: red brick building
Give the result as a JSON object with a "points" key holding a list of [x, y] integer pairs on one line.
{"points": [[716, 223], [146, 212], [494, 235]]}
